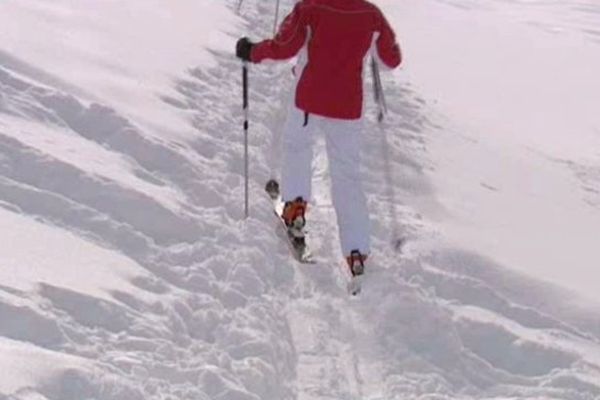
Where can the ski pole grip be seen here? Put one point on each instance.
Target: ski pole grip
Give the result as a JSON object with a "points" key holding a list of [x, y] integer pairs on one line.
{"points": [[245, 89], [245, 83]]}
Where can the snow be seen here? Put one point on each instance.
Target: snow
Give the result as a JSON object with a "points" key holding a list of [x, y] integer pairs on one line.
{"points": [[45, 254], [19, 373], [127, 270], [123, 53], [516, 160]]}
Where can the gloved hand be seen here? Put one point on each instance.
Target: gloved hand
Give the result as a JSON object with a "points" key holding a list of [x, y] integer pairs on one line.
{"points": [[243, 49]]}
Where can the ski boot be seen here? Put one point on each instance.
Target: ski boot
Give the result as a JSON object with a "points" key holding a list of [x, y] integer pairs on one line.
{"points": [[293, 216], [356, 262], [272, 189]]}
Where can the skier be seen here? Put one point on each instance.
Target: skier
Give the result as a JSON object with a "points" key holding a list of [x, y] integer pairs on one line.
{"points": [[332, 39]]}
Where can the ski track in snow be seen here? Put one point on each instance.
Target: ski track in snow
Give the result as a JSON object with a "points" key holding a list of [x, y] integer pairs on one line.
{"points": [[218, 310]]}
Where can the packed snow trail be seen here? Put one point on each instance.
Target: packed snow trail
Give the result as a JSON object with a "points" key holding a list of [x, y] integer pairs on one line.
{"points": [[128, 271]]}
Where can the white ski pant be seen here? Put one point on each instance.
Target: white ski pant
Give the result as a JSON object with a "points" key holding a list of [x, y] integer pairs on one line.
{"points": [[343, 142]]}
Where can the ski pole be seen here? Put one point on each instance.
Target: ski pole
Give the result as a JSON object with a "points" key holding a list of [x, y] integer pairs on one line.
{"points": [[398, 240], [276, 18], [239, 7], [246, 158], [378, 90]]}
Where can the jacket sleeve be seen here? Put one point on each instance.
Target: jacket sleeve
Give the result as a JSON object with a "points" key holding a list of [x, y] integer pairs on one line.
{"points": [[289, 39], [388, 48]]}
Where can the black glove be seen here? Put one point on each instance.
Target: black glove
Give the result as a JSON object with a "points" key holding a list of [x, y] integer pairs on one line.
{"points": [[243, 48]]}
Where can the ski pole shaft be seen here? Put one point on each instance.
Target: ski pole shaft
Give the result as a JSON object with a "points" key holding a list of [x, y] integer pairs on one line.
{"points": [[239, 7], [378, 90], [397, 238], [246, 156], [276, 18]]}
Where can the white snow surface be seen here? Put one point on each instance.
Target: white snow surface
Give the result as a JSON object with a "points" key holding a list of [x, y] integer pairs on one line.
{"points": [[127, 270], [516, 163]]}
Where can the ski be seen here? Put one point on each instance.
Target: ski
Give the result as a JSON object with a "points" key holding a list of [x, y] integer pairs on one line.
{"points": [[298, 246], [355, 285]]}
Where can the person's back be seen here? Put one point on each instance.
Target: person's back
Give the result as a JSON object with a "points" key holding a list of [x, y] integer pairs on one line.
{"points": [[337, 35]]}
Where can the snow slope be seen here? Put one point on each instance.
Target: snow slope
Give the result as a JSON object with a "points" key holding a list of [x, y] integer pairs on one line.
{"points": [[516, 163], [128, 272]]}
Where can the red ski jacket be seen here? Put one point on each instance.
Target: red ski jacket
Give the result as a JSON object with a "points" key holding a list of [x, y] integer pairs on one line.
{"points": [[337, 34]]}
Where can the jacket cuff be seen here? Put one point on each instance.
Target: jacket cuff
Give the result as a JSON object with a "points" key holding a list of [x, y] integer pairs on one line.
{"points": [[255, 55]]}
